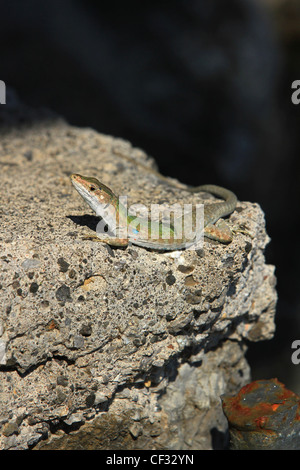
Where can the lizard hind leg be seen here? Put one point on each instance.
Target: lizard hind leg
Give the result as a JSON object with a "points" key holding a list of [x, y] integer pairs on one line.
{"points": [[220, 231]]}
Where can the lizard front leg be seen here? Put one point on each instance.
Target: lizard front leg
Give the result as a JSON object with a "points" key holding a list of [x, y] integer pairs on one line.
{"points": [[112, 241]]}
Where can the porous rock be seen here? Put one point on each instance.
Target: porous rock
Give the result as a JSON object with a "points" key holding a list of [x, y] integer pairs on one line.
{"points": [[115, 348]]}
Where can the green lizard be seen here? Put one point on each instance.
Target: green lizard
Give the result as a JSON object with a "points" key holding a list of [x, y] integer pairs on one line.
{"points": [[154, 235]]}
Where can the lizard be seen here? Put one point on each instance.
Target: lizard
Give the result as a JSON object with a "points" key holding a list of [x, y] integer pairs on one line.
{"points": [[138, 230]]}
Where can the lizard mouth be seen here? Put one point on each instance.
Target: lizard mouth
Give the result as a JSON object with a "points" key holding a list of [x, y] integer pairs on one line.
{"points": [[74, 177], [84, 193], [91, 199]]}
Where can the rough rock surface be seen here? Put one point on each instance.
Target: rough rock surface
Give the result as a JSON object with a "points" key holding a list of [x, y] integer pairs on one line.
{"points": [[112, 348]]}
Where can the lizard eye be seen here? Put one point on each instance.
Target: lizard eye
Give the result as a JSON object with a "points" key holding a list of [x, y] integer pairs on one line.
{"points": [[92, 188]]}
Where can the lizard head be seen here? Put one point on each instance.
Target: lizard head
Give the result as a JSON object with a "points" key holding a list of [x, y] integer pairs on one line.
{"points": [[94, 192]]}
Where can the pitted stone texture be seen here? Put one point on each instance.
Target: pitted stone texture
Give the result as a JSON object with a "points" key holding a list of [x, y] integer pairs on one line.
{"points": [[81, 321]]}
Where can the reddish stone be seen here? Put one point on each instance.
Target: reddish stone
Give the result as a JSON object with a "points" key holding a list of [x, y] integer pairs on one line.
{"points": [[263, 415]]}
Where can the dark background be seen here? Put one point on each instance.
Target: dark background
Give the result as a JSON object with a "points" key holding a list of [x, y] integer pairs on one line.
{"points": [[202, 86]]}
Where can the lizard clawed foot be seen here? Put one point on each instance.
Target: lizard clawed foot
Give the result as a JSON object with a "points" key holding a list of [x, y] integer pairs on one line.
{"points": [[91, 237], [223, 233], [243, 230], [119, 242]]}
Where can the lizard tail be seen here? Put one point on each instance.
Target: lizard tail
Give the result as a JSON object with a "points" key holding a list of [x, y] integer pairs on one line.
{"points": [[230, 199]]}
